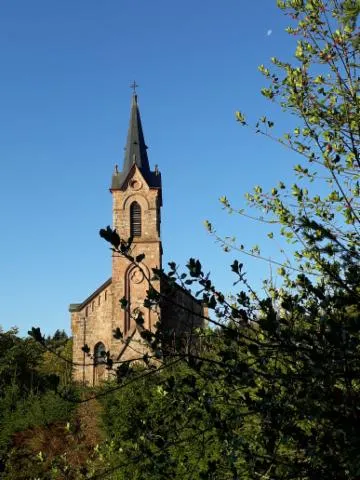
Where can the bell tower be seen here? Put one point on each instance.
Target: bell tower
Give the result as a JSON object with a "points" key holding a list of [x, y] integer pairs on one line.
{"points": [[137, 201]]}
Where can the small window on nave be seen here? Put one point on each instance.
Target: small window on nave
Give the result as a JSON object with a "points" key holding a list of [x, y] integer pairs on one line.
{"points": [[99, 353], [135, 220]]}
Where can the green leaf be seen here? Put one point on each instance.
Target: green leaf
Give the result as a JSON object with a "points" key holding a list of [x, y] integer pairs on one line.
{"points": [[240, 117]]}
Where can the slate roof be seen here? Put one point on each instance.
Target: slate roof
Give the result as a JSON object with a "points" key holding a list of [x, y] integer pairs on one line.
{"points": [[135, 153]]}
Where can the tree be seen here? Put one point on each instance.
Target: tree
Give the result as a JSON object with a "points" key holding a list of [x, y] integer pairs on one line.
{"points": [[29, 400], [56, 359], [288, 363], [321, 90]]}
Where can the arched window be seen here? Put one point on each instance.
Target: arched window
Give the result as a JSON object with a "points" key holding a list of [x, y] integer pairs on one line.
{"points": [[99, 354], [135, 220]]}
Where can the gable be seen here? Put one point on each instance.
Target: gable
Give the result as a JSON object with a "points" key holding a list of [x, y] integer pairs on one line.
{"points": [[121, 181], [76, 307]]}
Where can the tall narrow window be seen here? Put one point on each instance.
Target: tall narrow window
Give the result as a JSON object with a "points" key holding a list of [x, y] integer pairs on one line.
{"points": [[99, 372], [135, 220]]}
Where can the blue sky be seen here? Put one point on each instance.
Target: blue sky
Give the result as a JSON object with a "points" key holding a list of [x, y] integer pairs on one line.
{"points": [[64, 110]]}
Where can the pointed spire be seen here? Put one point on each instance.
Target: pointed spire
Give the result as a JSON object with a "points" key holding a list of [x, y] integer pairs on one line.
{"points": [[135, 151]]}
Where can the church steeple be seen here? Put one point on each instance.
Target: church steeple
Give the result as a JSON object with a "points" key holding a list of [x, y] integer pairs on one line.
{"points": [[135, 152]]}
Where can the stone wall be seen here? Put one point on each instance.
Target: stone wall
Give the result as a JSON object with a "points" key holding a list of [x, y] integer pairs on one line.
{"points": [[180, 311], [91, 324]]}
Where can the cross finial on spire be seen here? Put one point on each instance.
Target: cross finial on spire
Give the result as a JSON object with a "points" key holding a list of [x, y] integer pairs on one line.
{"points": [[134, 86]]}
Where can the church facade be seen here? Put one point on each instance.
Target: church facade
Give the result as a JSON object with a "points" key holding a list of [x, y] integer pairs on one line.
{"points": [[137, 200]]}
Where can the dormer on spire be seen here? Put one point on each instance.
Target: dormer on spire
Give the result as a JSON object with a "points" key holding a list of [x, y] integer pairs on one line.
{"points": [[135, 151]]}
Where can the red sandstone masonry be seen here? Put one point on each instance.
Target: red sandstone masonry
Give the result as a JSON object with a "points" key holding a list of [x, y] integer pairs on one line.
{"points": [[96, 321]]}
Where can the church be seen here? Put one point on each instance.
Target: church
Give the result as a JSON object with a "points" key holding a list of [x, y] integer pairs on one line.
{"points": [[137, 200]]}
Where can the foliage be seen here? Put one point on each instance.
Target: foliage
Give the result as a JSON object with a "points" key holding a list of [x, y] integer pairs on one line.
{"points": [[29, 390], [57, 358], [58, 450], [173, 418], [18, 359], [33, 410], [319, 213], [281, 373]]}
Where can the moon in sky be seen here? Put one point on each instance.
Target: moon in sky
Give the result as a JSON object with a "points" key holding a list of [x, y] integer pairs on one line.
{"points": [[268, 33]]}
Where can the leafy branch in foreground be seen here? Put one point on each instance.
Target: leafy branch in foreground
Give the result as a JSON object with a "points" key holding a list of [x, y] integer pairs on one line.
{"points": [[272, 390], [279, 391], [319, 213]]}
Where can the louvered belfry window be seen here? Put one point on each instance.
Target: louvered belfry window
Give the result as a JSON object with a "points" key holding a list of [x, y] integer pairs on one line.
{"points": [[135, 220]]}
